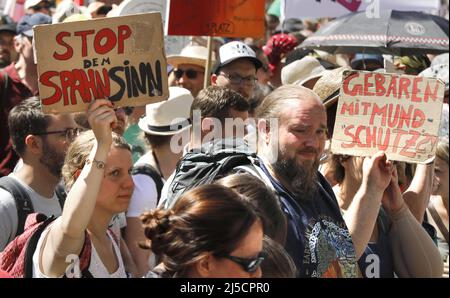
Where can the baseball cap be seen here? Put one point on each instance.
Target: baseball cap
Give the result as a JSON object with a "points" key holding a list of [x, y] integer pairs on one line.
{"points": [[27, 22], [7, 24], [359, 58], [234, 50]]}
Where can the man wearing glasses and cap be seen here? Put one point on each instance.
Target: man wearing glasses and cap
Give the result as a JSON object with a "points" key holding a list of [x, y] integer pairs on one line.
{"points": [[18, 81], [41, 141], [237, 68], [189, 68]]}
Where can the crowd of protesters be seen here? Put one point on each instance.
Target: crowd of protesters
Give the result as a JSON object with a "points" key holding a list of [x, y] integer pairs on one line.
{"points": [[137, 196]]}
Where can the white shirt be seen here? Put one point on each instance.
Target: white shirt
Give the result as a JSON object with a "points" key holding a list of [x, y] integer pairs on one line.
{"points": [[8, 210], [96, 266]]}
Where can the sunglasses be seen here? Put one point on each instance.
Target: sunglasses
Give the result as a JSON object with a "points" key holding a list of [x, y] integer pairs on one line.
{"points": [[248, 264], [190, 73]]}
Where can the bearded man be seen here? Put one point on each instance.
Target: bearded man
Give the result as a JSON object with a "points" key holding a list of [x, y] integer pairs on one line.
{"points": [[292, 128], [41, 141]]}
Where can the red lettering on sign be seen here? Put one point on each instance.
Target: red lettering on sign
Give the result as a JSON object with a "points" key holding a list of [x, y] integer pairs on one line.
{"points": [[69, 51], [403, 87], [357, 88], [84, 34], [45, 79]]}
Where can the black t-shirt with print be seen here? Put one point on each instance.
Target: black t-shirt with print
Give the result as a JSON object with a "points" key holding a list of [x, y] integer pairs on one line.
{"points": [[317, 238]]}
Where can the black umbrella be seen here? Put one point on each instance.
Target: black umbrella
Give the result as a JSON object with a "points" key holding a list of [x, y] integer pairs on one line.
{"points": [[394, 32]]}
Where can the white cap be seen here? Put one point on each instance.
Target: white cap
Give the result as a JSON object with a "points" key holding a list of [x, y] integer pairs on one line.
{"points": [[234, 50]]}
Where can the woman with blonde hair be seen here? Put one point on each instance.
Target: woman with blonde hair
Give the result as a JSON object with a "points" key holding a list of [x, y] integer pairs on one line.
{"points": [[97, 173]]}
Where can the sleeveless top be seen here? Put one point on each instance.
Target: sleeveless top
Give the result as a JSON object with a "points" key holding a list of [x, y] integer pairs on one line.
{"points": [[96, 266]]}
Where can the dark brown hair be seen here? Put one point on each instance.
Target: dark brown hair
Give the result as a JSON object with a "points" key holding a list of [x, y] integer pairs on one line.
{"points": [[336, 168], [24, 119], [264, 201], [216, 101], [278, 263], [209, 218]]}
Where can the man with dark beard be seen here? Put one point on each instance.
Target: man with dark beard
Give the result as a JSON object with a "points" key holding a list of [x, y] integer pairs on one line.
{"points": [[41, 141], [292, 127]]}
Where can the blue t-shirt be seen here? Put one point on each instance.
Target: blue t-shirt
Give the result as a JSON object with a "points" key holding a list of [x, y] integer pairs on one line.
{"points": [[377, 260], [317, 238]]}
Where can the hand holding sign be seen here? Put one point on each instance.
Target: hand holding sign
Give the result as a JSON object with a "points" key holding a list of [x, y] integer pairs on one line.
{"points": [[392, 197], [102, 118], [377, 171]]}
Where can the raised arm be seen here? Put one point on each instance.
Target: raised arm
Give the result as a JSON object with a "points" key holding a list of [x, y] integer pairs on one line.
{"points": [[362, 214], [414, 253], [67, 235], [418, 193]]}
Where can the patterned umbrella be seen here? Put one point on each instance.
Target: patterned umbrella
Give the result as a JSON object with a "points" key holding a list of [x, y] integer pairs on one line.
{"points": [[394, 32]]}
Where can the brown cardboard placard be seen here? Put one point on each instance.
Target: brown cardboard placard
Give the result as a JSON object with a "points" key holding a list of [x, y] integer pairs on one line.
{"points": [[118, 58], [398, 114]]}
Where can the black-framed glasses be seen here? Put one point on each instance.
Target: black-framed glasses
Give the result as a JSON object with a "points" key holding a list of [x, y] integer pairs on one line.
{"points": [[248, 264], [69, 133], [237, 79], [190, 73]]}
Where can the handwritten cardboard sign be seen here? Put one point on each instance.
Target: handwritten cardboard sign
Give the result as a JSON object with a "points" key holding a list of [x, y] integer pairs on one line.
{"points": [[230, 18], [398, 114], [120, 58]]}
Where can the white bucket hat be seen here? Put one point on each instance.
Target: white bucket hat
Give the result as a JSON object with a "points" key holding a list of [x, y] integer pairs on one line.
{"points": [[301, 71], [196, 55], [168, 117]]}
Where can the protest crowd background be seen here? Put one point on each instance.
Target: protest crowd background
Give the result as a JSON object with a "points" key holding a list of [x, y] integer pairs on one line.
{"points": [[117, 157]]}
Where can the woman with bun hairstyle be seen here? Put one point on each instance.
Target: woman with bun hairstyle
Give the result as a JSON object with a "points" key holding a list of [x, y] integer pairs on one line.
{"points": [[210, 233]]}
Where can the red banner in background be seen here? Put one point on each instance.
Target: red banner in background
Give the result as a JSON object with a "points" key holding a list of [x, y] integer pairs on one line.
{"points": [[227, 18]]}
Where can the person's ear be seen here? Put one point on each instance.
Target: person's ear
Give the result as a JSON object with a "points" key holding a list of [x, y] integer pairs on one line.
{"points": [[204, 266], [33, 144], [214, 79], [264, 130], [207, 125]]}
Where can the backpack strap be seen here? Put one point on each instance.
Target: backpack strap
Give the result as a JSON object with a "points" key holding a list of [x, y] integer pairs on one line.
{"points": [[254, 169], [32, 244], [61, 193], [149, 170], [21, 198]]}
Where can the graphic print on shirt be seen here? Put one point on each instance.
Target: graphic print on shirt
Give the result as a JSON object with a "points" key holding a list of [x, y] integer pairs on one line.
{"points": [[329, 249]]}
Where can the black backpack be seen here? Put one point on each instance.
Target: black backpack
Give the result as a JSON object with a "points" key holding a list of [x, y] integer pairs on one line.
{"points": [[23, 201], [212, 161], [148, 170]]}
